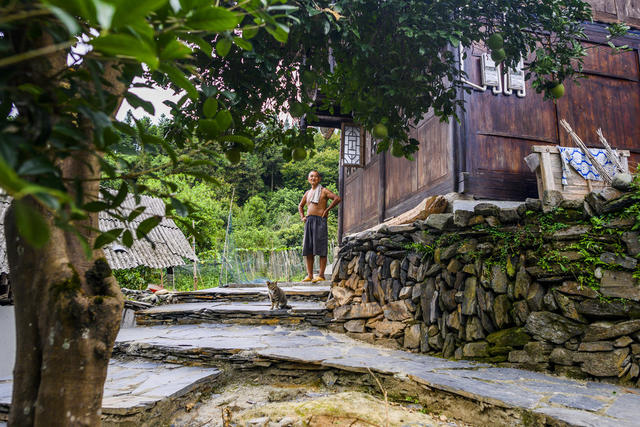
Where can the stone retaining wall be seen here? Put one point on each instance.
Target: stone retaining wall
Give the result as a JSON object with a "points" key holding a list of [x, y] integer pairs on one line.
{"points": [[548, 286]]}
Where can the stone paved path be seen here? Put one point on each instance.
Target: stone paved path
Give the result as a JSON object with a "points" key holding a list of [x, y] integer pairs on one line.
{"points": [[293, 292], [252, 312], [135, 386], [560, 399]]}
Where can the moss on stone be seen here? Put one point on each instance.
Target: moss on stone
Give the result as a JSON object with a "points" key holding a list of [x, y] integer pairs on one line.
{"points": [[513, 337]]}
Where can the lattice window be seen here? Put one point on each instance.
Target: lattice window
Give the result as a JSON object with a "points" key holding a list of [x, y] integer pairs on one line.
{"points": [[352, 145]]}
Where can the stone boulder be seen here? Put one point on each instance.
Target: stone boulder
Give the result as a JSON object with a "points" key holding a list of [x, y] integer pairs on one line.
{"points": [[552, 327]]}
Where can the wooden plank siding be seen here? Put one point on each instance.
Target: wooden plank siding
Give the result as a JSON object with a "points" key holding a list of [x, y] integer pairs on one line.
{"points": [[500, 130], [406, 181]]}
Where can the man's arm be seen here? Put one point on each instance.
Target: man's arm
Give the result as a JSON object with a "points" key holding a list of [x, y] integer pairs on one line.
{"points": [[335, 201], [301, 207]]}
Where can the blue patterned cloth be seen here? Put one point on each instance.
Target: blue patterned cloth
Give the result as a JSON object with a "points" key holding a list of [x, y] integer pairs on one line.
{"points": [[579, 161]]}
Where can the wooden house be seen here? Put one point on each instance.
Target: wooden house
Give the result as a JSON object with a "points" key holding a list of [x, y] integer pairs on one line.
{"points": [[482, 155]]}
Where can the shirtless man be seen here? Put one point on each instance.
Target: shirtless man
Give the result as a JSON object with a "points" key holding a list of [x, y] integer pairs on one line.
{"points": [[315, 227]]}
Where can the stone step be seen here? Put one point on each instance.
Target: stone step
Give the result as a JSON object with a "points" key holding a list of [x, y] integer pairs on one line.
{"points": [[313, 313], [524, 396], [281, 284], [138, 390], [294, 293]]}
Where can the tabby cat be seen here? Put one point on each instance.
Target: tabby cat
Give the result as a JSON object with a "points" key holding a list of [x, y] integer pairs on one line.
{"points": [[277, 296]]}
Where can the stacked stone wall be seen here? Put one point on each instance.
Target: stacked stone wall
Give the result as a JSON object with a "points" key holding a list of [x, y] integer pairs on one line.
{"points": [[547, 286]]}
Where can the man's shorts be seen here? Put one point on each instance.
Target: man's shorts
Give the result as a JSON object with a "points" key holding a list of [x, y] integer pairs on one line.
{"points": [[315, 236]]}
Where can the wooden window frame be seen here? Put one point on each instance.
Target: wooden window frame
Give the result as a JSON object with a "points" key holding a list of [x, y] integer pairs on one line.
{"points": [[363, 141]]}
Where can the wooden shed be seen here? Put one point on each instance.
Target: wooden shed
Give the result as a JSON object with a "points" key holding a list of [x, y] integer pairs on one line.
{"points": [[483, 154]]}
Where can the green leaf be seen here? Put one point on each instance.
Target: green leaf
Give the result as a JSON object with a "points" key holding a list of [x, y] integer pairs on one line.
{"points": [[121, 195], [223, 46], [104, 13], [223, 120], [9, 180], [179, 207], [96, 206], [278, 33], [131, 11], [136, 213], [242, 43], [180, 80], [205, 46], [107, 237], [124, 45], [31, 225], [210, 107], [175, 50], [147, 225], [127, 238], [214, 19], [135, 101], [208, 128], [249, 32], [36, 166]]}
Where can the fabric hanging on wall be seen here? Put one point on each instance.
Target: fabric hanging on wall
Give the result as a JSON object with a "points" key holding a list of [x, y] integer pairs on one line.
{"points": [[578, 160]]}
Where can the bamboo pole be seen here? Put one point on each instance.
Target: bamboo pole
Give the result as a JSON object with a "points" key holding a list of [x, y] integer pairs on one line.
{"points": [[603, 173]]}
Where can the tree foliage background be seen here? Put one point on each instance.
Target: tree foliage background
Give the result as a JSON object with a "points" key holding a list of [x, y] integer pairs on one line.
{"points": [[66, 66]]}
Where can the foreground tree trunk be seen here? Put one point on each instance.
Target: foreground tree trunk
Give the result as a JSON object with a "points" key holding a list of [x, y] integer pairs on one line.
{"points": [[68, 309]]}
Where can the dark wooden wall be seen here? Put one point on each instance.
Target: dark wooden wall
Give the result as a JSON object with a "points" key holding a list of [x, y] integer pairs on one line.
{"points": [[389, 185], [499, 131], [484, 154]]}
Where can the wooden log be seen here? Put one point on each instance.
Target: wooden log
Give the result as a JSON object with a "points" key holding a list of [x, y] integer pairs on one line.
{"points": [[428, 206]]}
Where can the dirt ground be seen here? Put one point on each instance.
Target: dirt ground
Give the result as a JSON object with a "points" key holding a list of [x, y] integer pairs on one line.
{"points": [[283, 405]]}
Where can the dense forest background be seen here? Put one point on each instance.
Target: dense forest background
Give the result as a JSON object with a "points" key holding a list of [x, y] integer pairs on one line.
{"points": [[266, 191]]}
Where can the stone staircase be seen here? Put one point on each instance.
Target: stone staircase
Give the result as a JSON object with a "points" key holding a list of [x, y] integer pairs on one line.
{"points": [[243, 305], [177, 352]]}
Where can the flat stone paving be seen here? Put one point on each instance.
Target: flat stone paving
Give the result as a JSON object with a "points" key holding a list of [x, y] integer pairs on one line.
{"points": [[253, 312], [136, 386], [284, 284], [252, 293], [568, 401]]}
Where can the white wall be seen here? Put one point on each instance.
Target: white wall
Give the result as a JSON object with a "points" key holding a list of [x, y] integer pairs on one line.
{"points": [[7, 340]]}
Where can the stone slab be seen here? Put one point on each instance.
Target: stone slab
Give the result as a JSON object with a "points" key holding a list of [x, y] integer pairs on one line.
{"points": [[561, 400], [283, 284], [469, 205], [255, 293], [250, 312], [137, 386]]}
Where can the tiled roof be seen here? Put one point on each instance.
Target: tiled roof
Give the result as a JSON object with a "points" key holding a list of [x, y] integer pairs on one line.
{"points": [[164, 246]]}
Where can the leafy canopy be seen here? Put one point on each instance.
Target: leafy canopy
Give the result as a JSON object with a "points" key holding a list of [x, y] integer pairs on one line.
{"points": [[67, 64]]}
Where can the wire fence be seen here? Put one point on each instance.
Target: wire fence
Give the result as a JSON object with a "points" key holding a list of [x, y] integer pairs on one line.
{"points": [[245, 266]]}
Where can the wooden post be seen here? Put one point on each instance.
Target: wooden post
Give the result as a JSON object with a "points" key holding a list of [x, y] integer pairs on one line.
{"points": [[382, 188], [545, 170], [341, 194], [195, 262]]}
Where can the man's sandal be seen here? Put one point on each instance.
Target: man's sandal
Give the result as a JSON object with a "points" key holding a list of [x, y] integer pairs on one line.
{"points": [[307, 279], [318, 279]]}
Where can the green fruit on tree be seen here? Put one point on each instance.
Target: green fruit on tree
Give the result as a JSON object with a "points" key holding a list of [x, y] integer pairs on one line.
{"points": [[233, 155], [498, 55], [298, 154], [557, 91], [397, 150], [495, 41], [380, 131], [297, 109]]}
